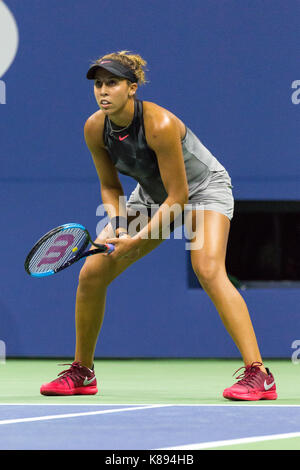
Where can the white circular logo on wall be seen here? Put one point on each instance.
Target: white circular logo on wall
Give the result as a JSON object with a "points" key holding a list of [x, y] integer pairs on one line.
{"points": [[9, 38]]}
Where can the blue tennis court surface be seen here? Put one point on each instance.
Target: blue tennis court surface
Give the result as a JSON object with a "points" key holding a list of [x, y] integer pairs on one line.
{"points": [[141, 427]]}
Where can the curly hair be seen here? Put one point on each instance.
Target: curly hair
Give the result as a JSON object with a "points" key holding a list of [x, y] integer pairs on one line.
{"points": [[133, 61]]}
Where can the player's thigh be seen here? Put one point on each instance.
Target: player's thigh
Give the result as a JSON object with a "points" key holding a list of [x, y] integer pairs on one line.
{"points": [[106, 269], [209, 243]]}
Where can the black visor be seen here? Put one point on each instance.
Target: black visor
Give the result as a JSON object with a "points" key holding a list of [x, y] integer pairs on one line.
{"points": [[113, 66]]}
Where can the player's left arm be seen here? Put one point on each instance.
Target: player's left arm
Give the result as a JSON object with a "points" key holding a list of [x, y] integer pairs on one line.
{"points": [[163, 137]]}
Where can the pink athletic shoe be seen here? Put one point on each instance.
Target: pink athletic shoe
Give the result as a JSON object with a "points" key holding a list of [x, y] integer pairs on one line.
{"points": [[77, 380], [253, 385]]}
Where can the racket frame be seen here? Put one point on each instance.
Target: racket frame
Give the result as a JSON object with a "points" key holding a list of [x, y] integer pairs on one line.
{"points": [[81, 253]]}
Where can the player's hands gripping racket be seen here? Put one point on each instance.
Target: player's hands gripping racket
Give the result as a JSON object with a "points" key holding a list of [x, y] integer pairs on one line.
{"points": [[60, 248]]}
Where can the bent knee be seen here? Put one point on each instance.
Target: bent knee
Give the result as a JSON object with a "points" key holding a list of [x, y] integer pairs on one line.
{"points": [[92, 274], [208, 270]]}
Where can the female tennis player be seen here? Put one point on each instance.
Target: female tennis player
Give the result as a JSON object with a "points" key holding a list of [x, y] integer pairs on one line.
{"points": [[172, 168]]}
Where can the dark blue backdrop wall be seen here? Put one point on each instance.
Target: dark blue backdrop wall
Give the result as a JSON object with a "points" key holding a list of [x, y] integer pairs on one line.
{"points": [[230, 70]]}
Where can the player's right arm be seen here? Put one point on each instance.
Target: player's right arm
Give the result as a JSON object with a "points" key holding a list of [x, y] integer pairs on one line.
{"points": [[111, 189]]}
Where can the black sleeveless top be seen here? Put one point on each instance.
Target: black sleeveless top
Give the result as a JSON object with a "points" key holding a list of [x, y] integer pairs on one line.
{"points": [[132, 156]]}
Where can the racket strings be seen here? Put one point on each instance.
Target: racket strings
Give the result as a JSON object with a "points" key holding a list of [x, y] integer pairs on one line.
{"points": [[58, 249]]}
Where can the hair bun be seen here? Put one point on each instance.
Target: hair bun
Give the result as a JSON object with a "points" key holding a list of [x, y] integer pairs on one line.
{"points": [[134, 61]]}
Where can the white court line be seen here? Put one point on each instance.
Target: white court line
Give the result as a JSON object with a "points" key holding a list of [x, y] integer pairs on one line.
{"points": [[225, 405], [230, 442], [74, 415]]}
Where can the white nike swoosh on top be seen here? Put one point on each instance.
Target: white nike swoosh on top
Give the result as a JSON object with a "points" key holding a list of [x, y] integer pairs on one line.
{"points": [[268, 386], [87, 381]]}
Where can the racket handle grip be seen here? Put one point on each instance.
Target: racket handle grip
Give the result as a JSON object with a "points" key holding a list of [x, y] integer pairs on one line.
{"points": [[110, 248]]}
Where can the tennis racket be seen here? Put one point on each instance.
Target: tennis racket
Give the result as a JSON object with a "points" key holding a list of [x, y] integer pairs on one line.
{"points": [[60, 248]]}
